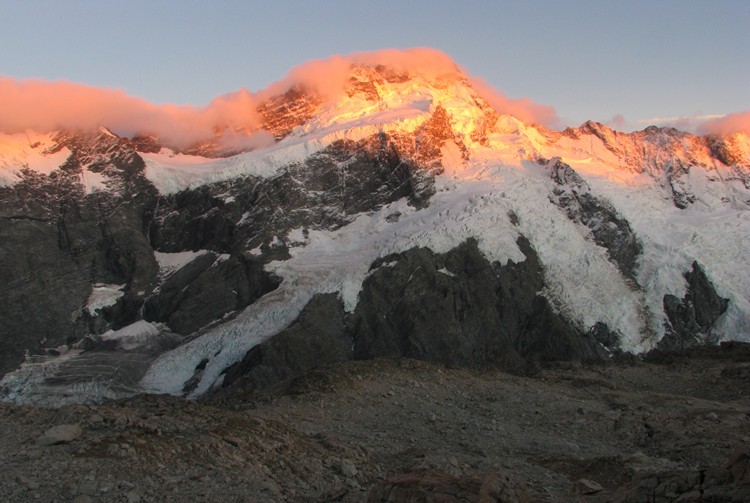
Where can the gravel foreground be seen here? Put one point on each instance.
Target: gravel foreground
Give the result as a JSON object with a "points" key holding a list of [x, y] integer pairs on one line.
{"points": [[672, 427]]}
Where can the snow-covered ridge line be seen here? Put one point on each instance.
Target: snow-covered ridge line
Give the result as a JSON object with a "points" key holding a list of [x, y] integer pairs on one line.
{"points": [[20, 150], [401, 108], [171, 173]]}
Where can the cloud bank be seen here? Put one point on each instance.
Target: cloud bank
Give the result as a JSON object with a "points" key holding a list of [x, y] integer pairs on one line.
{"points": [[49, 106], [524, 108], [52, 105], [728, 124]]}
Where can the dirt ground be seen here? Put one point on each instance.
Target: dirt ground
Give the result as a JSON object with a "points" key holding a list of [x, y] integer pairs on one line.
{"points": [[672, 427]]}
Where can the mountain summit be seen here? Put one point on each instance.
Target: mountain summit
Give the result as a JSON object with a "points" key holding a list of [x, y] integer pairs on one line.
{"points": [[380, 205]]}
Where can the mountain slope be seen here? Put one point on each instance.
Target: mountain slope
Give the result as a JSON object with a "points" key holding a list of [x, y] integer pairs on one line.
{"points": [[447, 231]]}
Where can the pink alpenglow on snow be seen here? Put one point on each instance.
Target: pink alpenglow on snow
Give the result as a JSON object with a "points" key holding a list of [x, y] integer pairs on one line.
{"points": [[231, 118]]}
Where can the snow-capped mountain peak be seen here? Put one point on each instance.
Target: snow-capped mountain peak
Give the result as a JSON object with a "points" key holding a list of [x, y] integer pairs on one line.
{"points": [[388, 196], [382, 97]]}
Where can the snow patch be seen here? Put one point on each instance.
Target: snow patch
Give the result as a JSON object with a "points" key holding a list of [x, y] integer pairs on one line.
{"points": [[275, 242], [446, 272], [297, 237], [133, 335], [169, 263], [103, 296]]}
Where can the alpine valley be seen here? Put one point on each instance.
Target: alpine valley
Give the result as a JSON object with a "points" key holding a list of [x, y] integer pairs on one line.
{"points": [[385, 285]]}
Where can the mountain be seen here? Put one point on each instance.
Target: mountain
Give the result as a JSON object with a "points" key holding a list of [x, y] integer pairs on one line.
{"points": [[397, 215]]}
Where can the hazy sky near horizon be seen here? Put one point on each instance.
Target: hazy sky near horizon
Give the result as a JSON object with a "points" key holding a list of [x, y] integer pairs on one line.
{"points": [[588, 59]]}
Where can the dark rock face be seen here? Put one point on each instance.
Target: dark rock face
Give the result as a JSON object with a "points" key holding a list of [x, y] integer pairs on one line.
{"points": [[411, 309], [224, 287], [317, 338], [609, 229], [677, 174], [605, 336], [56, 241], [167, 299], [459, 309], [692, 317], [196, 219], [49, 277]]}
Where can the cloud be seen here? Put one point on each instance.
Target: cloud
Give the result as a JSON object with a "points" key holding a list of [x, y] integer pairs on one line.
{"points": [[48, 106], [701, 124], [52, 105], [329, 77], [727, 124], [690, 123], [523, 108], [617, 122]]}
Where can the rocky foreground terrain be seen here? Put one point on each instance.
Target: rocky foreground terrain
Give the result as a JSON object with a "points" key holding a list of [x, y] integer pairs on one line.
{"points": [[670, 427]]}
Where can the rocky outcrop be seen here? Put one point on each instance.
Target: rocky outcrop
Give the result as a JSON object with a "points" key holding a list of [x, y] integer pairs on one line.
{"points": [[317, 338], [725, 150], [459, 309], [166, 299], [196, 219], [49, 276], [286, 111], [608, 228], [692, 317], [606, 337], [207, 290]]}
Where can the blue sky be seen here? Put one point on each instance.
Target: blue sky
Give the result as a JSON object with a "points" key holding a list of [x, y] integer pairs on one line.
{"points": [[588, 59]]}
